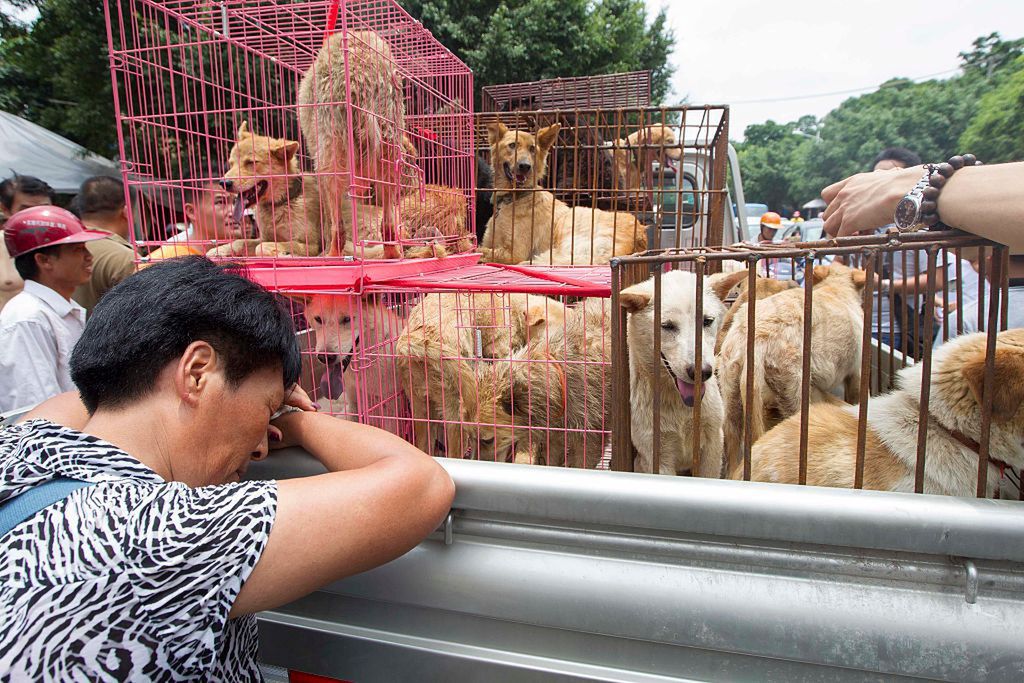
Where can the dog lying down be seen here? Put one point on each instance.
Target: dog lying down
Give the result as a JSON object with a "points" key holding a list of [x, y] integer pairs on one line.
{"points": [[890, 455]]}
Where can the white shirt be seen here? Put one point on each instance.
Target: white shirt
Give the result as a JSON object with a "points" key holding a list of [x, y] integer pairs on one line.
{"points": [[183, 236], [38, 330]]}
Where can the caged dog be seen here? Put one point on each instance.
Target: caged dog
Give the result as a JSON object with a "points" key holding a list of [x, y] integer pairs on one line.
{"points": [[553, 395], [634, 156], [675, 373], [837, 320], [264, 172], [438, 353], [355, 338], [374, 95], [530, 225], [890, 455]]}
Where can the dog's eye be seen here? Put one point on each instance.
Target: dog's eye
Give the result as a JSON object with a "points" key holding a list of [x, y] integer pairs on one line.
{"points": [[533, 149], [506, 404], [708, 321], [487, 442], [346, 320], [511, 145], [669, 326], [318, 320]]}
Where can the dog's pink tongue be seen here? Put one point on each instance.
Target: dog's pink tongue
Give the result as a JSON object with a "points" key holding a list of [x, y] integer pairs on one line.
{"points": [[239, 210], [686, 391], [332, 384]]}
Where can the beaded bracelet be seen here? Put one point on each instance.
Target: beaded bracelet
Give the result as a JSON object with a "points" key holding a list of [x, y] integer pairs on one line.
{"points": [[940, 173]]}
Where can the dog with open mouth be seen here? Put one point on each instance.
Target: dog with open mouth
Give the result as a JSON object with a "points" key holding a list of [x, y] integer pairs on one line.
{"points": [[530, 225], [355, 339], [682, 385], [634, 155], [264, 172]]}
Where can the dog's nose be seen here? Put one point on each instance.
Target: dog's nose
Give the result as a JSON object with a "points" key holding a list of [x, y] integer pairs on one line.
{"points": [[228, 185], [705, 372], [524, 167]]}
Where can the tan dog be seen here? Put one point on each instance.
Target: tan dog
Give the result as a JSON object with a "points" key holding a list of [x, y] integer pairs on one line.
{"points": [[725, 283], [634, 155], [355, 338], [837, 321], [552, 398], [437, 358], [373, 95], [530, 225], [265, 173], [675, 372], [890, 455]]}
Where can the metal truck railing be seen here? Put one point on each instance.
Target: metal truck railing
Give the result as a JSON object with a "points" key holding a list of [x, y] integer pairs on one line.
{"points": [[546, 574]]}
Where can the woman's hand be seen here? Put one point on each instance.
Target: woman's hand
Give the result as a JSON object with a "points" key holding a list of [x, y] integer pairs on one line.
{"points": [[283, 430], [866, 201]]}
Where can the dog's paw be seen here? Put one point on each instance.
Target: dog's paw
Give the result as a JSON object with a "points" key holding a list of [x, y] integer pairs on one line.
{"points": [[271, 250], [392, 251], [223, 251]]}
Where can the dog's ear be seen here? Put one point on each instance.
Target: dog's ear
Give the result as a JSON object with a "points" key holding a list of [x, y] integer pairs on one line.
{"points": [[546, 137], [284, 149], [495, 132], [723, 283], [536, 314], [819, 273], [243, 129], [1008, 387], [636, 298], [859, 277]]}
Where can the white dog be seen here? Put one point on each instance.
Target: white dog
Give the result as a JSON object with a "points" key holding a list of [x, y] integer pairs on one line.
{"points": [[675, 372], [355, 337]]}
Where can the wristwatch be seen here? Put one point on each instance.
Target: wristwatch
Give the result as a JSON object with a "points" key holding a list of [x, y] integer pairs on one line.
{"points": [[908, 212]]}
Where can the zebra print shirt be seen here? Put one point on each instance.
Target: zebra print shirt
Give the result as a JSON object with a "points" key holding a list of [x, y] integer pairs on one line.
{"points": [[130, 579]]}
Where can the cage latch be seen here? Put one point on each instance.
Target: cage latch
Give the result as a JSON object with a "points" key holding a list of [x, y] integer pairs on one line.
{"points": [[448, 526], [971, 589]]}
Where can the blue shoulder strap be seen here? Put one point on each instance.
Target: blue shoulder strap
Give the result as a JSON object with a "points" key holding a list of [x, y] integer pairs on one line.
{"points": [[16, 510]]}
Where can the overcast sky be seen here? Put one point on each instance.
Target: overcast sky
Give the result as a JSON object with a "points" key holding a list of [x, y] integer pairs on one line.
{"points": [[745, 52]]}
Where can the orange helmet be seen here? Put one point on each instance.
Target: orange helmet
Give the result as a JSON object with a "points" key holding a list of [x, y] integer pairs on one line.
{"points": [[771, 220]]}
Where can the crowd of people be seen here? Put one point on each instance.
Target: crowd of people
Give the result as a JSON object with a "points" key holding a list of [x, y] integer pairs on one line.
{"points": [[165, 553]]}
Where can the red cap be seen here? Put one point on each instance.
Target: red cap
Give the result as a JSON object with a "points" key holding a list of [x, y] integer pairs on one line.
{"points": [[45, 226]]}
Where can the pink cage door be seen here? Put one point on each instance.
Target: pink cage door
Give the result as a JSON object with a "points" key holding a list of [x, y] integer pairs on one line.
{"points": [[340, 131]]}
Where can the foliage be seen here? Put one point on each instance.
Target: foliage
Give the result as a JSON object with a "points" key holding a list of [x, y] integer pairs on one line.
{"points": [[996, 133], [528, 40], [979, 110]]}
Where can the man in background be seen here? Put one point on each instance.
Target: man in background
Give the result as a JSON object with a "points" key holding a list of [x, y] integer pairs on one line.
{"points": [[17, 193], [41, 325], [102, 208], [209, 209]]}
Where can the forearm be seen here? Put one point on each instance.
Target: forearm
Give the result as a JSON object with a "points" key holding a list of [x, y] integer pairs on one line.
{"points": [[343, 445], [987, 201]]}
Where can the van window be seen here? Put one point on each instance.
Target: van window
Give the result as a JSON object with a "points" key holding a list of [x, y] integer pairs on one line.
{"points": [[682, 199]]}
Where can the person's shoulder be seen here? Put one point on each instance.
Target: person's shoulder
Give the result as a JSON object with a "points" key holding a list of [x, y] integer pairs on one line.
{"points": [[24, 308], [172, 250]]}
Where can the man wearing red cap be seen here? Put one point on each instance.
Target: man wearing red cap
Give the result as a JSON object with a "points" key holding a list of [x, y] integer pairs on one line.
{"points": [[40, 326]]}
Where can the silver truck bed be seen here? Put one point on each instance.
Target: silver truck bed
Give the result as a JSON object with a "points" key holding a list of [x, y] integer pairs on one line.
{"points": [[554, 574]]}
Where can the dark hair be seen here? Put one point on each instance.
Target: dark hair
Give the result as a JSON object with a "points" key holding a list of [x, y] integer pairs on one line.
{"points": [[26, 264], [100, 195], [900, 154], [24, 184], [149, 319]]}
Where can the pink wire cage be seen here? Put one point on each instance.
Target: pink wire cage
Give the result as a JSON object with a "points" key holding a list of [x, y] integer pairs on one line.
{"points": [[374, 159]]}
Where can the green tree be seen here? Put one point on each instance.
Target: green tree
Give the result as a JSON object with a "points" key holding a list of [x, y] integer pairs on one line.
{"points": [[528, 40], [996, 133]]}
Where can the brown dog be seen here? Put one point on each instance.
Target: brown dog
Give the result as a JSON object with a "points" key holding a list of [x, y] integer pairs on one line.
{"points": [[530, 225], [371, 97], [837, 320], [265, 173], [890, 455]]}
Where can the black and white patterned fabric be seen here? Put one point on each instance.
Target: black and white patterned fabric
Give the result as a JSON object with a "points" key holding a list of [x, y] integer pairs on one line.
{"points": [[130, 579]]}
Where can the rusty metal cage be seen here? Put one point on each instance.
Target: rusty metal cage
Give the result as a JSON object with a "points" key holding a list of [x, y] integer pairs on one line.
{"points": [[807, 386], [575, 187], [608, 91]]}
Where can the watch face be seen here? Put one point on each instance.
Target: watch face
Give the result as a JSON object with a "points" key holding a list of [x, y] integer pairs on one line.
{"points": [[908, 213]]}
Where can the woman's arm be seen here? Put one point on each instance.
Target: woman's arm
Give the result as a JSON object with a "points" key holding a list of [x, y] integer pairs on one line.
{"points": [[987, 201], [381, 497]]}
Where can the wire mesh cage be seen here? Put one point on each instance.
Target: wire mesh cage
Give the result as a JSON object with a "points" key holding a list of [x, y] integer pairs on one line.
{"points": [[607, 91], [868, 362], [497, 363], [335, 128], [582, 186]]}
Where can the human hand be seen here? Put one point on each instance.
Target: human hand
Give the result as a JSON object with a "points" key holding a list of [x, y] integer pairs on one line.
{"points": [[866, 201], [283, 429]]}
